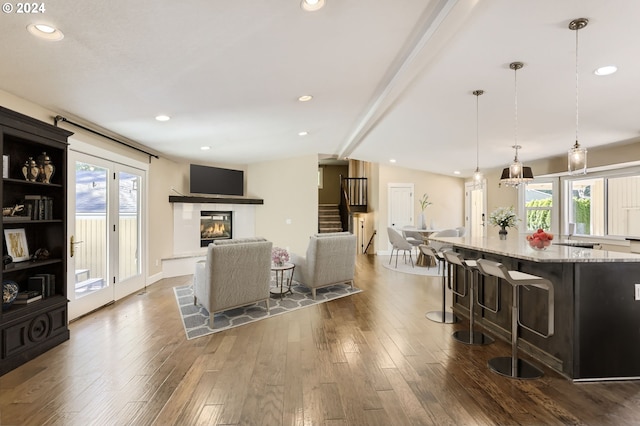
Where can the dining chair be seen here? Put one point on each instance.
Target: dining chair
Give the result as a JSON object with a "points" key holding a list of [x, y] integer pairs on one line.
{"points": [[399, 244]]}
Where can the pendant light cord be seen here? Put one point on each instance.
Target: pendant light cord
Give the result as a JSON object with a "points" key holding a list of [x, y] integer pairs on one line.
{"points": [[515, 124], [577, 104], [477, 133]]}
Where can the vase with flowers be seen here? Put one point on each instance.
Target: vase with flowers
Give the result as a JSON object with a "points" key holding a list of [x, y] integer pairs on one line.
{"points": [[279, 256], [504, 217], [424, 203]]}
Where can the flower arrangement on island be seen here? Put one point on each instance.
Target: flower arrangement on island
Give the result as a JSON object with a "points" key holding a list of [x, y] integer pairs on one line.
{"points": [[504, 217], [279, 256]]}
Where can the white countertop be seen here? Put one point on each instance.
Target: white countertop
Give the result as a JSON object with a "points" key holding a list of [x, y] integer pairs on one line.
{"points": [[517, 246]]}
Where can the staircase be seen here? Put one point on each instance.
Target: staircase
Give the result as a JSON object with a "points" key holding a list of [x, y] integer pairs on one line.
{"points": [[329, 218]]}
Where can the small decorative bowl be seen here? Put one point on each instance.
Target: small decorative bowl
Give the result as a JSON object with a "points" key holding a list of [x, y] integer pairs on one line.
{"points": [[540, 240], [537, 247], [9, 293]]}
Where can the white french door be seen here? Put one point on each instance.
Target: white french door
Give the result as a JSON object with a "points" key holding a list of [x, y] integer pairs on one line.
{"points": [[105, 230]]}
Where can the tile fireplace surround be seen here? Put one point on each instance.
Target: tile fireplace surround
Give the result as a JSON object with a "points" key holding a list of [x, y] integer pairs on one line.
{"points": [[186, 233]]}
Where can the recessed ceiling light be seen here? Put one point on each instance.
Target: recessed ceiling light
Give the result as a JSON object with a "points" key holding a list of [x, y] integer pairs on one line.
{"points": [[305, 98], [303, 133], [45, 32], [312, 5], [45, 28], [456, 172], [205, 148], [607, 70], [163, 117], [393, 160]]}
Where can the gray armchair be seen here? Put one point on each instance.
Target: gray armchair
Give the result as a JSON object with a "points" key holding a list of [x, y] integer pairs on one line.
{"points": [[236, 273], [330, 260]]}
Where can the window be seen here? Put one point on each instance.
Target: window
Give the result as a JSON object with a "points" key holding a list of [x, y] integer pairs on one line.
{"points": [[586, 207], [320, 177], [623, 207], [540, 206], [604, 204]]}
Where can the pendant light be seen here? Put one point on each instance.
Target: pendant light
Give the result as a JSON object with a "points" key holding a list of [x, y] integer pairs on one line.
{"points": [[516, 173], [577, 156], [477, 175]]}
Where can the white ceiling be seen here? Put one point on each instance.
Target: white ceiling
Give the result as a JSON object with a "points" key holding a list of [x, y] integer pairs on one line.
{"points": [[390, 78]]}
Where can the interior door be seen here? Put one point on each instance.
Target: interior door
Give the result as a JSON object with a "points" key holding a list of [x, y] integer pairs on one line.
{"points": [[475, 209], [105, 228], [400, 205]]}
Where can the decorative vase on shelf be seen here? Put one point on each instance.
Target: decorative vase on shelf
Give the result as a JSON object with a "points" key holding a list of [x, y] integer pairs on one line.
{"points": [[9, 293], [30, 170], [45, 168], [503, 232]]}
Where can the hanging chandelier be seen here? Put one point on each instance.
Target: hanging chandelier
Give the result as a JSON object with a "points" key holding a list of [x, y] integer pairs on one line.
{"points": [[577, 156], [516, 174], [477, 175]]}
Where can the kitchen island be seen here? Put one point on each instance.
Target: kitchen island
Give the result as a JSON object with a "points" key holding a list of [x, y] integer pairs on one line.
{"points": [[597, 316]]}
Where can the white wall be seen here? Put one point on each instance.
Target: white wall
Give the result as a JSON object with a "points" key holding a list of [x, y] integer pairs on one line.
{"points": [[445, 192], [289, 188]]}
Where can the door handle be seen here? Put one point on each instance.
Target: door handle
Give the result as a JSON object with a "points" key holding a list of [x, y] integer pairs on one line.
{"points": [[73, 245]]}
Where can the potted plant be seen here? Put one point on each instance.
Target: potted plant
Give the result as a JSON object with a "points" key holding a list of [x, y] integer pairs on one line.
{"points": [[504, 217]]}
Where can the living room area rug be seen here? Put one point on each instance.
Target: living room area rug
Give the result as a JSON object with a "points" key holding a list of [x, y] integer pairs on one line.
{"points": [[195, 318], [406, 268]]}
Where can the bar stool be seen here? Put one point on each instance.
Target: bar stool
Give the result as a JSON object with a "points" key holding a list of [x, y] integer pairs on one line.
{"points": [[438, 316], [514, 367], [469, 266]]}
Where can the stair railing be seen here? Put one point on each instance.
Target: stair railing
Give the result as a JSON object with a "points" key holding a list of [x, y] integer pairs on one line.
{"points": [[356, 191], [353, 196]]}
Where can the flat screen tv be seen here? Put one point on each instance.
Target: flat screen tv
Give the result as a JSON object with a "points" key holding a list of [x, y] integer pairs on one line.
{"points": [[214, 180]]}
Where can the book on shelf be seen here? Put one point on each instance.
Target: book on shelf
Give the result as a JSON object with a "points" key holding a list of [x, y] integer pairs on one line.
{"points": [[39, 284], [39, 207], [15, 218], [19, 301], [27, 294], [49, 284]]}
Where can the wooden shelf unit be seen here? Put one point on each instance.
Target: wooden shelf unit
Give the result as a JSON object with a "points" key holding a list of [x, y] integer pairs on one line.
{"points": [[27, 331]]}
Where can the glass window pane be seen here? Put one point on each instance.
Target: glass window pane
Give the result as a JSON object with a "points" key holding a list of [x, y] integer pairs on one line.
{"points": [[587, 206], [129, 218], [538, 205], [91, 229], [623, 207], [539, 192]]}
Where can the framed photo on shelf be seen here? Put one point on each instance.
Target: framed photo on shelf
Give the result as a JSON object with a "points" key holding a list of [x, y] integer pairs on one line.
{"points": [[16, 241]]}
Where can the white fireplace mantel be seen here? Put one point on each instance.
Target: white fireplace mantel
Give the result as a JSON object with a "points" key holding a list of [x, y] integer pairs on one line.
{"points": [[186, 232]]}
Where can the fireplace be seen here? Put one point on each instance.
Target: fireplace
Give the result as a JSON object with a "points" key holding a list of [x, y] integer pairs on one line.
{"points": [[215, 225]]}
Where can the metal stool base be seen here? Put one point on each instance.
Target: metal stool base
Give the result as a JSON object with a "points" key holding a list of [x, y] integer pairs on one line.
{"points": [[525, 370], [442, 317], [475, 338]]}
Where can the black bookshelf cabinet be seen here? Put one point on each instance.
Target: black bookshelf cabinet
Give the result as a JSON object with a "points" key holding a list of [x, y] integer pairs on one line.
{"points": [[28, 330]]}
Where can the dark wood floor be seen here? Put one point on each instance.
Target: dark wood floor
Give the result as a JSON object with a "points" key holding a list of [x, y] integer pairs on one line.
{"points": [[368, 359]]}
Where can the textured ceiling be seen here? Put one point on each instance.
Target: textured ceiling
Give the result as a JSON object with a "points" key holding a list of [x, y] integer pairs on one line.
{"points": [[390, 78]]}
